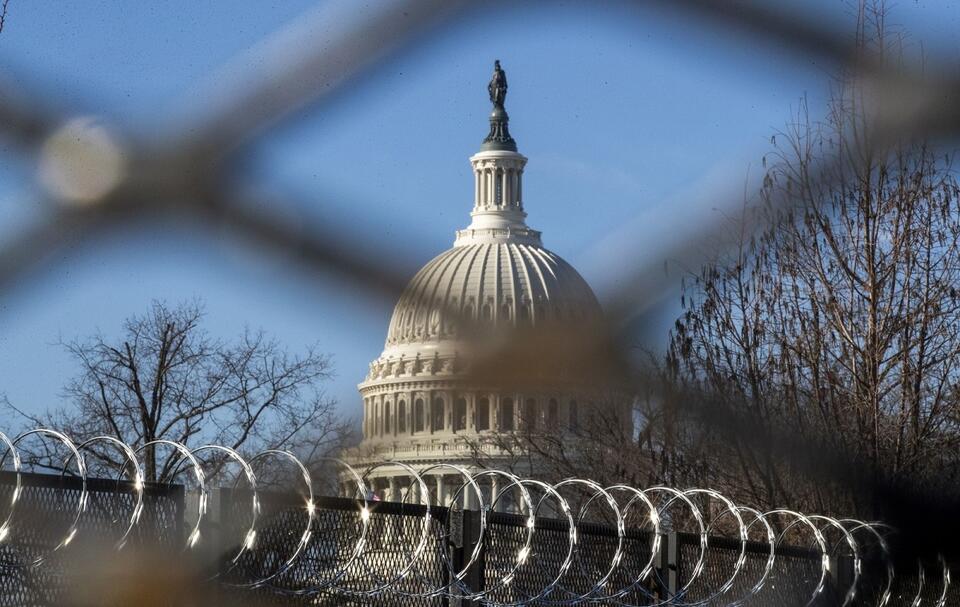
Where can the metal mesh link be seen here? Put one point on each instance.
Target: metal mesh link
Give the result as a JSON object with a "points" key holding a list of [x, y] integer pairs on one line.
{"points": [[47, 505], [325, 571]]}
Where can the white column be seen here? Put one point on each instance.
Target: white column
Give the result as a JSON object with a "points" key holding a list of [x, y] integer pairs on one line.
{"points": [[507, 187], [491, 192], [484, 186], [468, 496], [447, 493], [520, 188], [476, 188], [494, 487], [504, 200], [479, 187], [394, 496], [439, 481], [448, 412], [409, 412]]}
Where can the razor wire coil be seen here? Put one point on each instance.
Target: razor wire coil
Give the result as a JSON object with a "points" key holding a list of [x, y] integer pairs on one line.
{"points": [[577, 579]]}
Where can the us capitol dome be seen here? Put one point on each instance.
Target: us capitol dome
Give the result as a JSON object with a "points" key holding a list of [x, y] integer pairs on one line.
{"points": [[422, 405]]}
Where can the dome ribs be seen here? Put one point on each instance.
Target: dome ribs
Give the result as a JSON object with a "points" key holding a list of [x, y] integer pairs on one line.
{"points": [[416, 310], [466, 279], [457, 276], [513, 285], [536, 266], [441, 302], [509, 283], [530, 294], [421, 311], [497, 283], [482, 276], [548, 261]]}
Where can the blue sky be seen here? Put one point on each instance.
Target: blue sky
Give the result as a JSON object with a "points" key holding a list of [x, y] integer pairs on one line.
{"points": [[637, 125]]}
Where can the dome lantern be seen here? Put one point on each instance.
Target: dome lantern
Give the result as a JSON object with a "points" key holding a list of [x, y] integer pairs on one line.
{"points": [[498, 213]]}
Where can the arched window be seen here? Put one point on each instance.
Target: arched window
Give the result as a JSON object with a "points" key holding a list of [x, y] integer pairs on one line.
{"points": [[506, 414], [553, 413], [529, 414], [482, 414], [574, 416], [487, 312], [401, 416], [387, 410], [418, 416], [437, 417], [460, 415]]}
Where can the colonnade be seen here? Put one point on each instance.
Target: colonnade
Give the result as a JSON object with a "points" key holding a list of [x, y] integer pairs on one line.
{"points": [[443, 488], [449, 412], [498, 187]]}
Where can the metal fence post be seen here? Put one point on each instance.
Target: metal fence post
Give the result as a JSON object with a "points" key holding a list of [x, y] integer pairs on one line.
{"points": [[465, 533], [669, 566], [841, 567], [179, 495]]}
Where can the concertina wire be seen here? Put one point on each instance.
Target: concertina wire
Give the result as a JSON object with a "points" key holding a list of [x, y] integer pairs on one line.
{"points": [[609, 584]]}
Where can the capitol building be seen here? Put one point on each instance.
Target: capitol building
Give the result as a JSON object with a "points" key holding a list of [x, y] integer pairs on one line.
{"points": [[422, 403]]}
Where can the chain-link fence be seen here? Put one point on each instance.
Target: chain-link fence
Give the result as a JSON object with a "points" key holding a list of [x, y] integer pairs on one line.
{"points": [[32, 573], [189, 176]]}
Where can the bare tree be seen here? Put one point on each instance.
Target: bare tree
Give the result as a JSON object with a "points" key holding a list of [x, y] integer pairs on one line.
{"points": [[3, 13], [837, 324], [841, 322], [167, 378]]}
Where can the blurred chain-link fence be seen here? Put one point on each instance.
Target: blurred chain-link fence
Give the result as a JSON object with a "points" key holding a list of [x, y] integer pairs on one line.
{"points": [[98, 182]]}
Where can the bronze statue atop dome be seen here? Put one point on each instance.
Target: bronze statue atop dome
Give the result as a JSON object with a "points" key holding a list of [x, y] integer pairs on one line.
{"points": [[499, 137], [498, 85]]}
